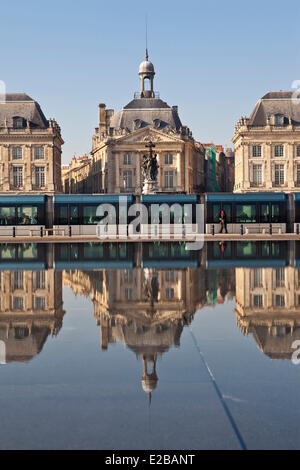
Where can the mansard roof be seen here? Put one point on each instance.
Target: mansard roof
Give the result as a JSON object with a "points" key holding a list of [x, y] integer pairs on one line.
{"points": [[143, 112], [275, 102], [23, 106]]}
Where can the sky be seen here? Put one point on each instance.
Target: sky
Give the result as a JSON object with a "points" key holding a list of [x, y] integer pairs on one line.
{"points": [[214, 59]]}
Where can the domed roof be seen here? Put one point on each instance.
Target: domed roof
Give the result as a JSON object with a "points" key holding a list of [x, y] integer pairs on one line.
{"points": [[146, 67]]}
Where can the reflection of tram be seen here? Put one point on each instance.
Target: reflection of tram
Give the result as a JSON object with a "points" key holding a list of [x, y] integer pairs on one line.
{"points": [[249, 212], [94, 256], [247, 254]]}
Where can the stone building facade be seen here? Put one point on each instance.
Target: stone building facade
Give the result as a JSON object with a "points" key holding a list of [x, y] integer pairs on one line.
{"points": [[120, 139], [30, 147], [267, 146]]}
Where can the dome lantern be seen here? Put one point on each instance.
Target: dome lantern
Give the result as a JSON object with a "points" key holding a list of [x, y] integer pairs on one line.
{"points": [[146, 72]]}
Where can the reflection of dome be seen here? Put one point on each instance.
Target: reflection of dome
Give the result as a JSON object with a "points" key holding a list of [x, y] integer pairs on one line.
{"points": [[149, 384], [146, 67]]}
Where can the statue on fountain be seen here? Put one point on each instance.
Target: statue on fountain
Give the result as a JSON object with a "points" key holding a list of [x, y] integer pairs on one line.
{"points": [[150, 170]]}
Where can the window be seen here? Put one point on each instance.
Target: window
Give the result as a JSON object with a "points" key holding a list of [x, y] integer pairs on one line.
{"points": [[17, 153], [40, 280], [257, 278], [264, 213], [17, 122], [168, 159], [128, 293], [18, 280], [89, 215], [40, 176], [257, 301], [38, 153], [127, 159], [170, 293], [40, 303], [280, 277], [170, 276], [246, 213], [18, 176], [279, 174], [298, 174], [279, 301], [127, 179], [278, 119], [257, 174], [128, 276], [256, 151], [278, 151], [27, 215], [298, 150], [7, 216], [18, 303], [169, 179]]}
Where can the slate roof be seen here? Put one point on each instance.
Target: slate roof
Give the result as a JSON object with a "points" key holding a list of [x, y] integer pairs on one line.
{"points": [[22, 105], [143, 112], [275, 102]]}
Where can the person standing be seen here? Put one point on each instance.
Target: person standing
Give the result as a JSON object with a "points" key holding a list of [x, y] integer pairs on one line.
{"points": [[223, 223]]}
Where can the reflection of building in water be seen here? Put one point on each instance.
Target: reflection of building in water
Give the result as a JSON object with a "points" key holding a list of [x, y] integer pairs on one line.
{"points": [[268, 306], [145, 309], [30, 310]]}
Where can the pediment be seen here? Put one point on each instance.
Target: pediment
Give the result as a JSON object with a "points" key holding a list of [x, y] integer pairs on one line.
{"points": [[149, 133]]}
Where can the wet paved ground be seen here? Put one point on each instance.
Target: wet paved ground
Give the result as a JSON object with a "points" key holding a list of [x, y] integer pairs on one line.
{"points": [[213, 388]]}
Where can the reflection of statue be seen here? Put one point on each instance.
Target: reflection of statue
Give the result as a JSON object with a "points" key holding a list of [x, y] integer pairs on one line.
{"points": [[151, 287]]}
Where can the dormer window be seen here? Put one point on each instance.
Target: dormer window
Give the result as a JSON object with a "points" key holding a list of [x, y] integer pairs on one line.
{"points": [[278, 119], [17, 122], [138, 123], [157, 123]]}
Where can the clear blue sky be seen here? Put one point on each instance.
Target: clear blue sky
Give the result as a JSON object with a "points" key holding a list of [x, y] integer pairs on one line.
{"points": [[213, 59]]}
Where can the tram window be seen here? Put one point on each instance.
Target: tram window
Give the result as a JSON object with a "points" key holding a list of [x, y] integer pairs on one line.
{"points": [[90, 216], [246, 213], [74, 215], [7, 216], [63, 215], [176, 212], [216, 213], [265, 213], [227, 210], [188, 213], [28, 215], [275, 213]]}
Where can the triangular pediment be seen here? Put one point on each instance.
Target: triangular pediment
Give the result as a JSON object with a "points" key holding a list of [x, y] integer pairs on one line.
{"points": [[149, 133]]}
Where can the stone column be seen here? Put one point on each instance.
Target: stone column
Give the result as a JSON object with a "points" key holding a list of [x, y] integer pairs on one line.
{"points": [[50, 168], [291, 174], [117, 169], [178, 160], [138, 172], [27, 178]]}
